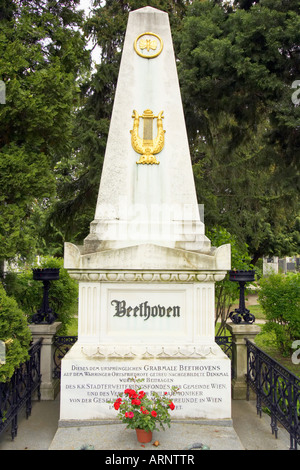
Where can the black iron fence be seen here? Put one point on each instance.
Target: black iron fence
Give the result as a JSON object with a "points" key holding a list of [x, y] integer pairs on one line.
{"points": [[277, 389], [18, 391], [225, 343], [62, 344]]}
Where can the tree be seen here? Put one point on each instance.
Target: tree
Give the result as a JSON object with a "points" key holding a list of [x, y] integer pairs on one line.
{"points": [[227, 292], [237, 65], [42, 52]]}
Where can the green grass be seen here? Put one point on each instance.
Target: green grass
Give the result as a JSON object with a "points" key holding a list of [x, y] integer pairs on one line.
{"points": [[267, 342], [256, 310]]}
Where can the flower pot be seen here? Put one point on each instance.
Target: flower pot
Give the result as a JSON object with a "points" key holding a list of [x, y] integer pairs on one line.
{"points": [[143, 436]]}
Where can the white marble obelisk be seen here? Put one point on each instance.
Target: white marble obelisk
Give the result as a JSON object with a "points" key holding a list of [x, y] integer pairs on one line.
{"points": [[146, 271], [147, 202]]}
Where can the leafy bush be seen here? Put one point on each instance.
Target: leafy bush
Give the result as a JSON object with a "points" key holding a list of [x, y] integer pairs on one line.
{"points": [[14, 332], [63, 293], [279, 297]]}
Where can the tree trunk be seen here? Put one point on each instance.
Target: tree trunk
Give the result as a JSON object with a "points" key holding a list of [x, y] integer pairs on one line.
{"points": [[255, 258], [1, 269]]}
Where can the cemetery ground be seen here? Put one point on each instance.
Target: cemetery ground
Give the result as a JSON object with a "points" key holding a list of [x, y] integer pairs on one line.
{"points": [[38, 431]]}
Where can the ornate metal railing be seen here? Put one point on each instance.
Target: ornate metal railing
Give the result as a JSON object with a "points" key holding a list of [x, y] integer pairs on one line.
{"points": [[18, 391], [276, 388], [62, 344], [225, 343]]}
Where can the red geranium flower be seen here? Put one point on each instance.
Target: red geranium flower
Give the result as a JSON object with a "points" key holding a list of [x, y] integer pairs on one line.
{"points": [[136, 402], [132, 393], [117, 405], [171, 405], [153, 413]]}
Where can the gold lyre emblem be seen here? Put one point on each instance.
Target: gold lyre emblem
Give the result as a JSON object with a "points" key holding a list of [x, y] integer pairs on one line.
{"points": [[147, 147]]}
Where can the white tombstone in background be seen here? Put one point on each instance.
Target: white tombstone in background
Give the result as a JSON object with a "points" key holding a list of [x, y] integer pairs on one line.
{"points": [[270, 265], [146, 271]]}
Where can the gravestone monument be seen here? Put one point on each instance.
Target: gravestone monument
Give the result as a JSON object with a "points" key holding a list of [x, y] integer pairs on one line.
{"points": [[146, 271]]}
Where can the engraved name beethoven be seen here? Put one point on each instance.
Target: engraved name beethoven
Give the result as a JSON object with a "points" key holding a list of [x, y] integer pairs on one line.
{"points": [[144, 310]]}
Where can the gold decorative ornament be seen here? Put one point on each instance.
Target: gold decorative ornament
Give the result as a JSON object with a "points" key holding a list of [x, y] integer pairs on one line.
{"points": [[147, 147], [148, 45]]}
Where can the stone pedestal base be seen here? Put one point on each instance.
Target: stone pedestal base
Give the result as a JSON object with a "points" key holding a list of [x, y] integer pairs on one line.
{"points": [[94, 375], [153, 320], [239, 356], [49, 386]]}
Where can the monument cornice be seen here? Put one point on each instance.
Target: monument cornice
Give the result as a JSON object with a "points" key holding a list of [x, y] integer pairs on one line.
{"points": [[146, 276], [150, 351], [147, 258]]}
